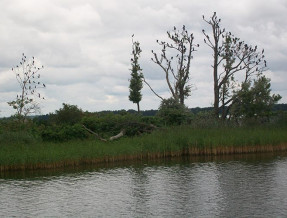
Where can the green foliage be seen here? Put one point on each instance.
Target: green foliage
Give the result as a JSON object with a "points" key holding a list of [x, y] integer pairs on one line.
{"points": [[280, 120], [231, 57], [17, 138], [205, 119], [173, 140], [108, 124], [69, 114], [173, 113], [254, 101], [13, 132], [64, 133], [136, 83]]}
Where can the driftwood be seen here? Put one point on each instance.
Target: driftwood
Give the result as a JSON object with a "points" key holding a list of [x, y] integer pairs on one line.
{"points": [[144, 128], [122, 133]]}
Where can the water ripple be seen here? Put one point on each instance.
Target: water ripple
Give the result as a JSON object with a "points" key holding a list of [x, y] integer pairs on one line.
{"points": [[239, 188]]}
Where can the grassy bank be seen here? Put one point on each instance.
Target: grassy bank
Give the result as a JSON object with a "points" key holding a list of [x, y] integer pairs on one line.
{"points": [[174, 141]]}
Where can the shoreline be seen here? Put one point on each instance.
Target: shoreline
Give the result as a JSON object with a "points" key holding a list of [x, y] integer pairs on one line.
{"points": [[190, 151]]}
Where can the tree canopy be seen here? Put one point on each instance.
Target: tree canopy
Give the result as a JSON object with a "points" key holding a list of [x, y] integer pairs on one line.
{"points": [[136, 81]]}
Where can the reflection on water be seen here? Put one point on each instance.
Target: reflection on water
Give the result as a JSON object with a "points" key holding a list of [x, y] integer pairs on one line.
{"points": [[241, 186]]}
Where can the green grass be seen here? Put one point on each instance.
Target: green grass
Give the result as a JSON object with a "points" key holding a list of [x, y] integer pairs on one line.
{"points": [[23, 151]]}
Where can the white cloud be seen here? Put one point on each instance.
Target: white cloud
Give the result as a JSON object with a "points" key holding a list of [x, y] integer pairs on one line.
{"points": [[85, 46]]}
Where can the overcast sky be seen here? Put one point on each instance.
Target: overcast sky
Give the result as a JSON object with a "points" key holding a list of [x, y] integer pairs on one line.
{"points": [[85, 47]]}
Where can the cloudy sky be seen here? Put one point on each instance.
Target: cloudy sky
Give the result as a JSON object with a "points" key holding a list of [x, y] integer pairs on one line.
{"points": [[85, 46]]}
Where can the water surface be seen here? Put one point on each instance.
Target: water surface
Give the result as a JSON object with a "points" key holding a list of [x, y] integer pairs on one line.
{"points": [[240, 186]]}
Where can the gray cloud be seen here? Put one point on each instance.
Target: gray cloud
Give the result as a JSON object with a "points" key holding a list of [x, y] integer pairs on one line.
{"points": [[85, 46]]}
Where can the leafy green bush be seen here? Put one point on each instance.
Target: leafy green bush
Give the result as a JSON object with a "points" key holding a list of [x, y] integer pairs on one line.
{"points": [[23, 137], [69, 114], [108, 122], [64, 133], [173, 113]]}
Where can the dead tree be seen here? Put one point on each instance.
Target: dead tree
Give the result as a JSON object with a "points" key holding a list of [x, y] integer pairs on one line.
{"points": [[28, 76], [175, 60], [234, 62]]}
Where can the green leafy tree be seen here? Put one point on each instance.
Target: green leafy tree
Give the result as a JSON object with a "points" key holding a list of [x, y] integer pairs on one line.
{"points": [[28, 77], [136, 81], [254, 100]]}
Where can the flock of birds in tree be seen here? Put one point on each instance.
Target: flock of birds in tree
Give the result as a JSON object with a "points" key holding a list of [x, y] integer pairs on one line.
{"points": [[27, 74]]}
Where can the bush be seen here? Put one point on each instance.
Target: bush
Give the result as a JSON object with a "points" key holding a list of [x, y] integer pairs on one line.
{"points": [[173, 113], [22, 137], [64, 133], [109, 123], [69, 114]]}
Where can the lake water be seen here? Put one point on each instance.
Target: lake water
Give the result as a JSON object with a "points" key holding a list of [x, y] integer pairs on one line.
{"points": [[230, 186]]}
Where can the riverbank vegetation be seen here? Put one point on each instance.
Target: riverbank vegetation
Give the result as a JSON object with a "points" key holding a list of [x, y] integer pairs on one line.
{"points": [[241, 120], [58, 141]]}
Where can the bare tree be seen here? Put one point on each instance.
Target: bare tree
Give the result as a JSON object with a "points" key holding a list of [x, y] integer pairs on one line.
{"points": [[233, 60], [28, 76], [175, 60]]}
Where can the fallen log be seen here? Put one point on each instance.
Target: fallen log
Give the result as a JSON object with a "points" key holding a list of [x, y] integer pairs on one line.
{"points": [[122, 133], [143, 128], [92, 132]]}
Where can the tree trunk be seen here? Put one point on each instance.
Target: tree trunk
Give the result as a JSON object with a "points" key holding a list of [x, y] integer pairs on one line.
{"points": [[138, 104], [215, 81]]}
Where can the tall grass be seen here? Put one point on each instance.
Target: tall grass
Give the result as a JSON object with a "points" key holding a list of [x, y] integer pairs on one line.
{"points": [[175, 141]]}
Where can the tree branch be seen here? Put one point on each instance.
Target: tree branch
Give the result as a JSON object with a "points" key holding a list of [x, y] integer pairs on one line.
{"points": [[152, 89]]}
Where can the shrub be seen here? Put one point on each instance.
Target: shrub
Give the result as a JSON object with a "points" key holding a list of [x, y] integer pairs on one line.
{"points": [[173, 113], [69, 114], [22, 137], [64, 133]]}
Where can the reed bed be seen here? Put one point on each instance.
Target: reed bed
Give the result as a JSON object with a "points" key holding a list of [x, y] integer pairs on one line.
{"points": [[171, 142]]}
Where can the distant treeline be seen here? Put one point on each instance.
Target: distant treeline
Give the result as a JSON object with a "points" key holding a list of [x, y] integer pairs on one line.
{"points": [[196, 110], [277, 107]]}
